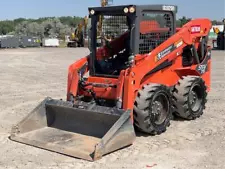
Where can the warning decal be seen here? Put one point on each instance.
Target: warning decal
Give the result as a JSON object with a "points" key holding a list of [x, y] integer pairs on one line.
{"points": [[195, 29]]}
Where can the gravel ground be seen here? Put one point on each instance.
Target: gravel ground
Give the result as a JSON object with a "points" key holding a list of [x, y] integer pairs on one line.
{"points": [[27, 76]]}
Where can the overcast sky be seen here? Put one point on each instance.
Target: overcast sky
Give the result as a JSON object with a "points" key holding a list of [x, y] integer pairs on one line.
{"points": [[213, 9]]}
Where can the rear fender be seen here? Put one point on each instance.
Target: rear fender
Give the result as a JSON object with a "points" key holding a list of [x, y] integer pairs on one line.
{"points": [[202, 70]]}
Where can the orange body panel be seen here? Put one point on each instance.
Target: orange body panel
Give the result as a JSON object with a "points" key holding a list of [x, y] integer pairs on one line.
{"points": [[110, 93]]}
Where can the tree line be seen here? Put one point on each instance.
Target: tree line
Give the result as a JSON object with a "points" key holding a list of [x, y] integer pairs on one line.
{"points": [[41, 27], [54, 26]]}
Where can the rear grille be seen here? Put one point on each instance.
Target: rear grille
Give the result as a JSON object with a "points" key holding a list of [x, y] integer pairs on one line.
{"points": [[155, 28]]}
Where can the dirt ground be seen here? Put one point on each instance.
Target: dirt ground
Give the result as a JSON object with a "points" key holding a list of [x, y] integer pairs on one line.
{"points": [[27, 76]]}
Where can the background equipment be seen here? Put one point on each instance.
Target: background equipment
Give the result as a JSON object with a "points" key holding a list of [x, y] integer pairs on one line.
{"points": [[144, 74], [220, 41], [77, 39]]}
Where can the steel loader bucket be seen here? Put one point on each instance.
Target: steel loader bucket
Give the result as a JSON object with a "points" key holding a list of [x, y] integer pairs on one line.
{"points": [[82, 133]]}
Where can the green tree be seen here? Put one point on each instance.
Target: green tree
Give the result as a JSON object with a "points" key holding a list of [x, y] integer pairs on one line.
{"points": [[61, 26], [6, 27], [183, 21]]}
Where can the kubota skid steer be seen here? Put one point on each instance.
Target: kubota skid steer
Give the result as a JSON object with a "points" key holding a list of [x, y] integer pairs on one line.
{"points": [[146, 73]]}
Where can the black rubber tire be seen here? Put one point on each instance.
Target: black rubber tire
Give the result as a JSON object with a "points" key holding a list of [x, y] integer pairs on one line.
{"points": [[145, 117], [182, 97]]}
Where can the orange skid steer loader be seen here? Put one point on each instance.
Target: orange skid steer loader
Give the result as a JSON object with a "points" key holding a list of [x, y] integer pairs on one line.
{"points": [[147, 72]]}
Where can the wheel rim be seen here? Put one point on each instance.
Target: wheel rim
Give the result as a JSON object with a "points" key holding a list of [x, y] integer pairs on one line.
{"points": [[195, 98], [160, 108]]}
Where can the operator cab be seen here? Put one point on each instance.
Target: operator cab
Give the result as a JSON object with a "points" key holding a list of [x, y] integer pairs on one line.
{"points": [[118, 33]]}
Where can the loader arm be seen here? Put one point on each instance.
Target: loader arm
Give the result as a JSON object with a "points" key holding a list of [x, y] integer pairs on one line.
{"points": [[162, 57], [76, 71]]}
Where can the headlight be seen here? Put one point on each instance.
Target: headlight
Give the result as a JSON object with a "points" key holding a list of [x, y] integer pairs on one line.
{"points": [[132, 10], [126, 10], [92, 12]]}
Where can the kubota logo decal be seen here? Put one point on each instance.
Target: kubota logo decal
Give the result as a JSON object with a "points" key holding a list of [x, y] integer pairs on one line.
{"points": [[165, 52], [196, 29]]}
